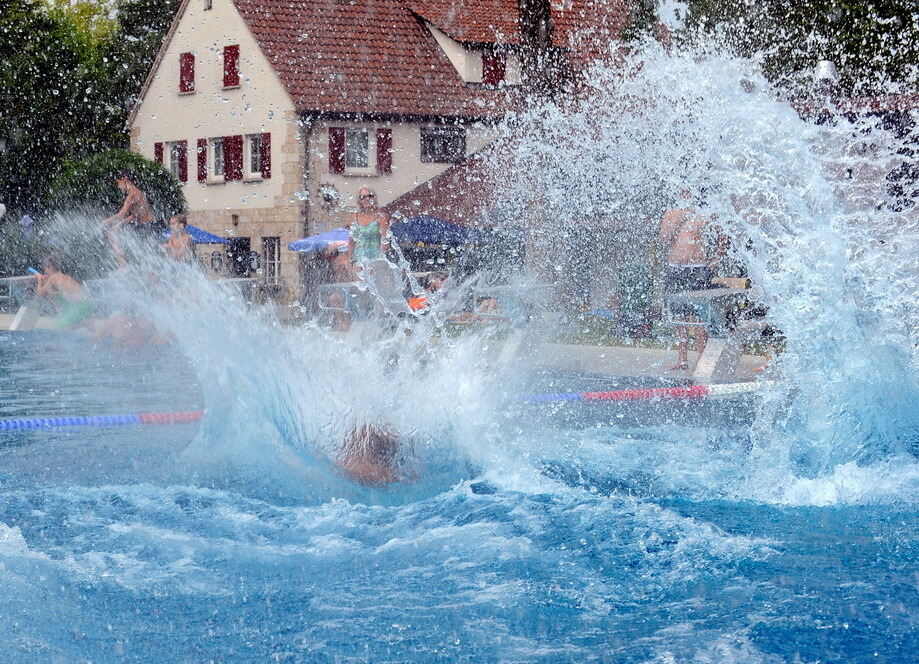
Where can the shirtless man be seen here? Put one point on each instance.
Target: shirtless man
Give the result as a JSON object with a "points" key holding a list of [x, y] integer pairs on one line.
{"points": [[135, 213], [68, 295], [687, 269], [180, 246]]}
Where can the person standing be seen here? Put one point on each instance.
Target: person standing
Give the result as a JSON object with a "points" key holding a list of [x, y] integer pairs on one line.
{"points": [[369, 229], [687, 269]]}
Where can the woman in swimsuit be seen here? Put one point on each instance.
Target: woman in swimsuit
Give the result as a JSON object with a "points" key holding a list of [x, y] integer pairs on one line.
{"points": [[369, 229]]}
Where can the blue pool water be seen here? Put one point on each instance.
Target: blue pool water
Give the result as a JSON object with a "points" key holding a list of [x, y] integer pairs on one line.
{"points": [[118, 545]]}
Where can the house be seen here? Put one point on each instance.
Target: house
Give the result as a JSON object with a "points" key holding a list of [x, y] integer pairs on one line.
{"points": [[273, 113]]}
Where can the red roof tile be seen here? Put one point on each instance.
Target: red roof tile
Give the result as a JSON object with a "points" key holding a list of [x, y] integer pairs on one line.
{"points": [[583, 27], [372, 56], [462, 193]]}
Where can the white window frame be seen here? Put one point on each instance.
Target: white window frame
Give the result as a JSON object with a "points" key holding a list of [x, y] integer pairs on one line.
{"points": [[371, 167], [272, 260], [172, 164], [215, 176], [248, 174]]}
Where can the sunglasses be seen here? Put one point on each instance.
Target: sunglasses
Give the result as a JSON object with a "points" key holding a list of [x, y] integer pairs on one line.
{"points": [[366, 196]]}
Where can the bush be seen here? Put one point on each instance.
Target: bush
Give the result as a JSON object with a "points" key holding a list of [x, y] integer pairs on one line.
{"points": [[89, 185]]}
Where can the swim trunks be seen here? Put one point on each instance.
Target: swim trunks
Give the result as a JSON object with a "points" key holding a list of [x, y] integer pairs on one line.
{"points": [[683, 278], [72, 314]]}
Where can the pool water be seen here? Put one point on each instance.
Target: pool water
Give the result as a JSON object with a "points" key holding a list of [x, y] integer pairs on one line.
{"points": [[601, 542]]}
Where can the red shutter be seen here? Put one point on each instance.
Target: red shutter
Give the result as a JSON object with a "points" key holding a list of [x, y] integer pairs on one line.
{"points": [[202, 160], [493, 67], [158, 153], [186, 72], [336, 149], [266, 155], [232, 158], [384, 151], [183, 161], [231, 66]]}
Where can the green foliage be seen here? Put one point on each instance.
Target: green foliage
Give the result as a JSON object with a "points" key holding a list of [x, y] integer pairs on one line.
{"points": [[89, 185], [66, 87], [874, 43]]}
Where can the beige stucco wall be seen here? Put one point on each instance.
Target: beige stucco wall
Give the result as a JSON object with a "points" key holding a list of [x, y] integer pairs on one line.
{"points": [[277, 206], [268, 207], [408, 171]]}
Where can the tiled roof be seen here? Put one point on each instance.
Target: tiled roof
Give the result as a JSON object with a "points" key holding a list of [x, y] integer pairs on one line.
{"points": [[367, 56], [583, 27], [461, 194]]}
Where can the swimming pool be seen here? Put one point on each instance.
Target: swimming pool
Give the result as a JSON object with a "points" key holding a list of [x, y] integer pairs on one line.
{"points": [[120, 545]]}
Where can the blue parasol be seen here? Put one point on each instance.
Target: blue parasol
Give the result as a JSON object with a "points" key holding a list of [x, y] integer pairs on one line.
{"points": [[319, 242], [424, 229], [201, 236]]}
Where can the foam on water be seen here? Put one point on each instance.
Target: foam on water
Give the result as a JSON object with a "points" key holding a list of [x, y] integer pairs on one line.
{"points": [[512, 540]]}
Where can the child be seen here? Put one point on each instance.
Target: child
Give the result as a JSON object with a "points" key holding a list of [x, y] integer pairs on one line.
{"points": [[68, 295]]}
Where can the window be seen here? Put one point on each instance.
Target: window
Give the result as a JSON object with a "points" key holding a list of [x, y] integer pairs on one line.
{"points": [[360, 151], [231, 66], [443, 145], [271, 250], [175, 156], [257, 157], [216, 167], [178, 160], [254, 155], [186, 72], [208, 5], [357, 148]]}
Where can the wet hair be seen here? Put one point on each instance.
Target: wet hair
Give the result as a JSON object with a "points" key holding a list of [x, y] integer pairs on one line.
{"points": [[125, 174], [53, 261], [181, 217], [378, 441]]}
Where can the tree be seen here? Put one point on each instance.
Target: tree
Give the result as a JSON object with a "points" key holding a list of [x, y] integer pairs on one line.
{"points": [[66, 86], [874, 43], [89, 185]]}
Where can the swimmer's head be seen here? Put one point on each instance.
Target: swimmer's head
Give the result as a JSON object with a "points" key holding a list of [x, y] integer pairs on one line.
{"points": [[123, 179], [178, 221], [377, 442], [51, 264]]}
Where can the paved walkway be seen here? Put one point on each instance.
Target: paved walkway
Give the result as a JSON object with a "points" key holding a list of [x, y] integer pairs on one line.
{"points": [[623, 361]]}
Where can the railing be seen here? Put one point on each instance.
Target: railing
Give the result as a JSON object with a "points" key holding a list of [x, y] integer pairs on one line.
{"points": [[14, 291]]}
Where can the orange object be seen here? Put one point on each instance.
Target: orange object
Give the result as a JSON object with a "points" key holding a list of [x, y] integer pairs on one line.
{"points": [[418, 303]]}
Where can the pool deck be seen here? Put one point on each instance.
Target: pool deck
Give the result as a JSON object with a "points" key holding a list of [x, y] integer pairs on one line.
{"points": [[613, 361], [43, 323], [626, 361]]}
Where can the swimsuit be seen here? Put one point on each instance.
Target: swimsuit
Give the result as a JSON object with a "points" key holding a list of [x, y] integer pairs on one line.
{"points": [[72, 312], [683, 278], [367, 241]]}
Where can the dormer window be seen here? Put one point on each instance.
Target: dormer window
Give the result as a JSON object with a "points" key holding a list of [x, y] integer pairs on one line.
{"points": [[494, 66]]}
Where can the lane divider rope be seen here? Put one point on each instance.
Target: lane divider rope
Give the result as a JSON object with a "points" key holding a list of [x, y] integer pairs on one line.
{"points": [[101, 420], [176, 417]]}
